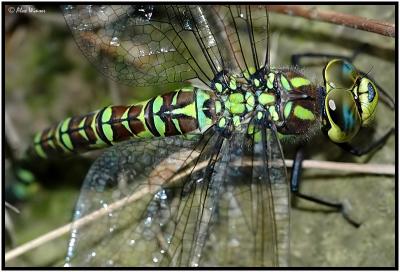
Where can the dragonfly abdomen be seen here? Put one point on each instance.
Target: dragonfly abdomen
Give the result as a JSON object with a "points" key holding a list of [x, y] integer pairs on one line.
{"points": [[178, 112]]}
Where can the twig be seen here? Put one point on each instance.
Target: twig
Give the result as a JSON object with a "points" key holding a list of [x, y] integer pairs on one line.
{"points": [[349, 167], [378, 169], [11, 207], [357, 22]]}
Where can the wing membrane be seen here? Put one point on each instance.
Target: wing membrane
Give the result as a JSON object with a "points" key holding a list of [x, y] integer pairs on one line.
{"points": [[185, 204], [148, 45], [127, 185]]}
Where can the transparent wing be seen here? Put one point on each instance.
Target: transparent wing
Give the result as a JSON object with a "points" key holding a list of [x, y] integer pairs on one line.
{"points": [[121, 195], [147, 45], [175, 202], [251, 223], [247, 31]]}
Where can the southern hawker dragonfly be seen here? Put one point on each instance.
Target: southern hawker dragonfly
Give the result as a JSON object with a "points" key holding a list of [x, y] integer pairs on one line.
{"points": [[200, 199]]}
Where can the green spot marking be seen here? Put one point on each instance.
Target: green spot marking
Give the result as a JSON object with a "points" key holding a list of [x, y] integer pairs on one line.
{"points": [[218, 106], [285, 83], [218, 86], [108, 132], [256, 82], [232, 83], [82, 130], [266, 99], [273, 113], [236, 98], [188, 110], [288, 109], [157, 104], [124, 117], [107, 128], [250, 99], [259, 115], [176, 124], [299, 81], [159, 124], [236, 121], [249, 72], [50, 136], [222, 122], [66, 140], [146, 133], [250, 129], [303, 113], [38, 147], [202, 119], [257, 136], [238, 109], [270, 80]]}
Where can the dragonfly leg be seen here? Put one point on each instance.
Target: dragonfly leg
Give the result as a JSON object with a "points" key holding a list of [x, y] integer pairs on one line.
{"points": [[294, 187], [296, 57], [338, 206], [359, 151]]}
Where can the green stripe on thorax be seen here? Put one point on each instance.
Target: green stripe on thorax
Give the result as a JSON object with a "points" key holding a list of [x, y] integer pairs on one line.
{"points": [[303, 113], [201, 97]]}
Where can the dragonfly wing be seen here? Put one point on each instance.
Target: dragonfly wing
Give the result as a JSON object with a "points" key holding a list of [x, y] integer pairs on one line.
{"points": [[113, 222], [252, 225], [132, 44], [235, 209], [247, 34], [149, 45]]}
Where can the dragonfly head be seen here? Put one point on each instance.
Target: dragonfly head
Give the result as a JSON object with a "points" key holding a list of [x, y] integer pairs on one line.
{"points": [[350, 101]]}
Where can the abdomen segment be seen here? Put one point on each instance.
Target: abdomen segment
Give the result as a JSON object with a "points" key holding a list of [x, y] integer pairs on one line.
{"points": [[174, 113]]}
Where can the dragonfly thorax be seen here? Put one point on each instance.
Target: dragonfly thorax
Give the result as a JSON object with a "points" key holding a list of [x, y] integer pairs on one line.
{"points": [[285, 97]]}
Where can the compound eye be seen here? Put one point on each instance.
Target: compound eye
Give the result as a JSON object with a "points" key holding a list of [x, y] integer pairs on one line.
{"points": [[368, 97], [339, 74], [343, 115]]}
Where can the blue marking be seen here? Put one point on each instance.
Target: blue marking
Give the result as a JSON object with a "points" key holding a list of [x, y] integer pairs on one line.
{"points": [[347, 68], [371, 92], [348, 118]]}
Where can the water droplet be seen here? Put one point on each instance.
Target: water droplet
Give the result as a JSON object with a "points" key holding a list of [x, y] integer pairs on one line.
{"points": [[148, 220], [161, 195], [93, 254], [110, 262], [114, 41], [234, 242], [132, 242], [68, 8]]}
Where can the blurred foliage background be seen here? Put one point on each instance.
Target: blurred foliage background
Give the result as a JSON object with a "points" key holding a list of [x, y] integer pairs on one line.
{"points": [[47, 79]]}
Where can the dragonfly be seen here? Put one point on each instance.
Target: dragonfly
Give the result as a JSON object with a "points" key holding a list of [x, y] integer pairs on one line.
{"points": [[197, 174]]}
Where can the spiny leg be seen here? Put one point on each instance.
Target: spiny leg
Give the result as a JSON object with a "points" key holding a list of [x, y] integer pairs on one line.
{"points": [[296, 57], [294, 187], [375, 145]]}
